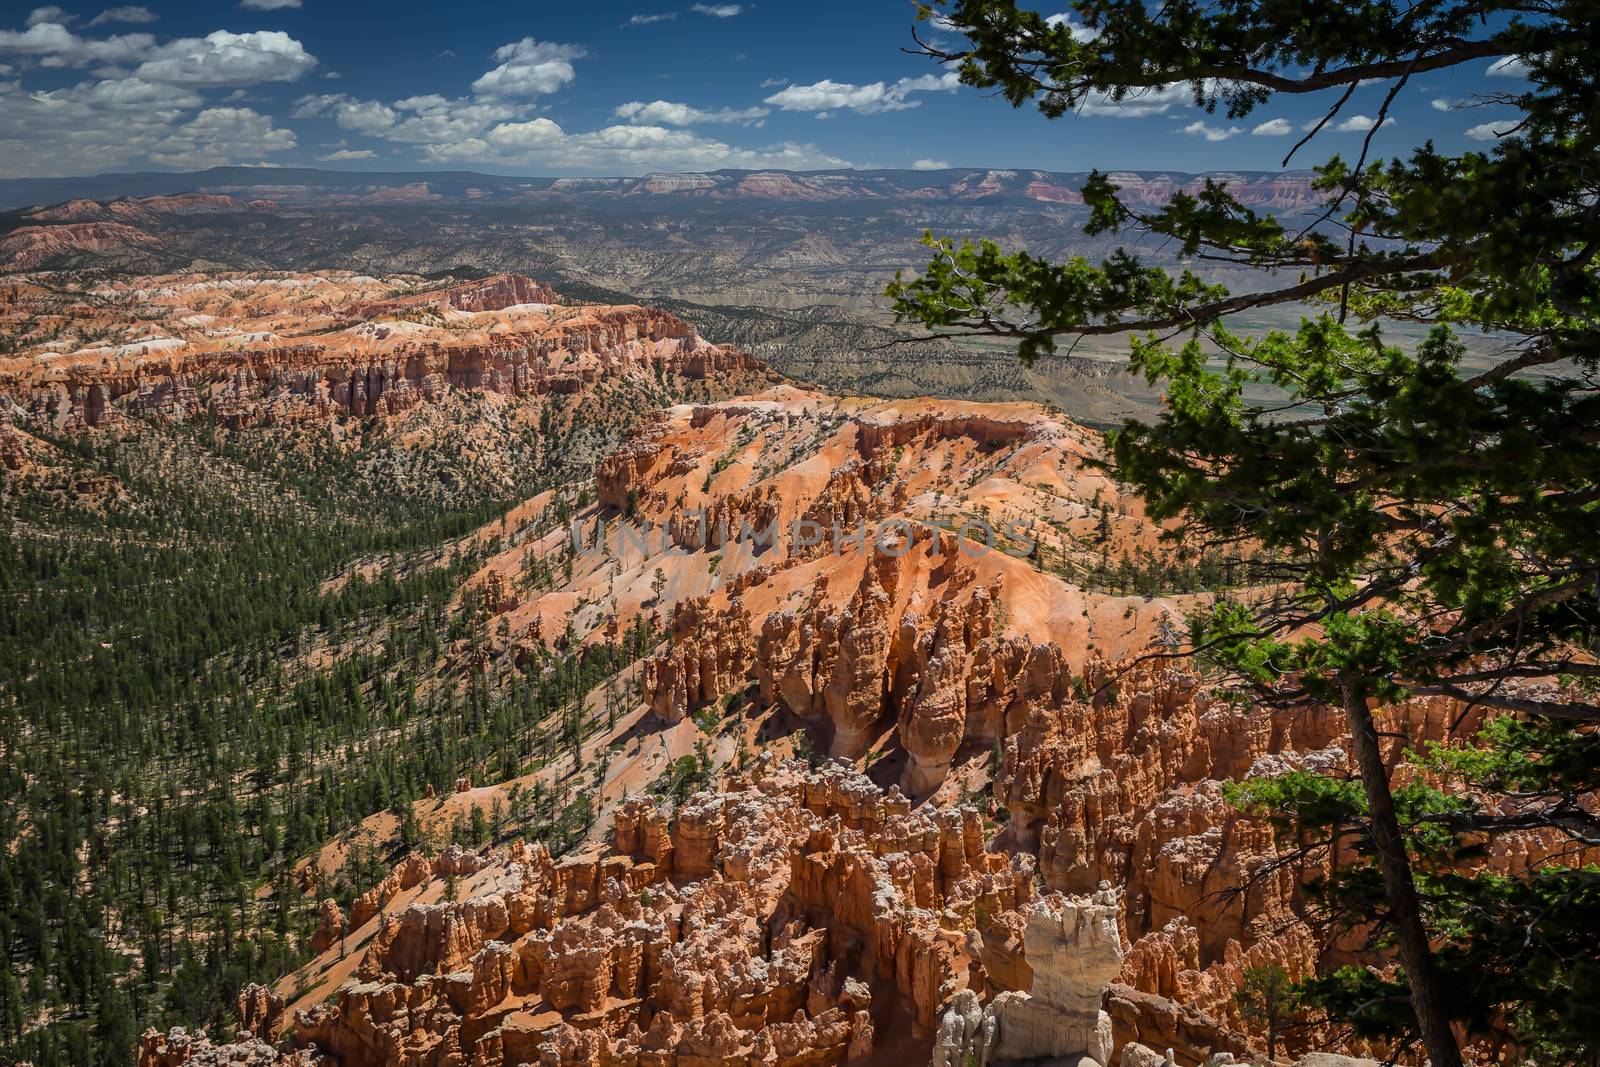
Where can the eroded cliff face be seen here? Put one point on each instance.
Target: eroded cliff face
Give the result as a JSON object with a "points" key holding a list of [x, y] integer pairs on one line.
{"points": [[813, 557], [902, 569], [794, 917], [1038, 860], [272, 349], [808, 916]]}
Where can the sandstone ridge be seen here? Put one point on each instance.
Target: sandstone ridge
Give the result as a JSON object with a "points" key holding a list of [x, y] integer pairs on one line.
{"points": [[795, 917], [264, 349]]}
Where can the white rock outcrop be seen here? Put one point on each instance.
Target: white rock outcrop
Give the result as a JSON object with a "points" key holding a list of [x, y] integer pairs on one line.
{"points": [[1074, 948]]}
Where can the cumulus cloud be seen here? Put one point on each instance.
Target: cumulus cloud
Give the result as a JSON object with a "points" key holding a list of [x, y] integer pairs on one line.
{"points": [[1492, 131], [1273, 128], [156, 112], [228, 59], [432, 120], [89, 127], [667, 113], [717, 11], [1360, 124], [48, 14], [57, 46], [647, 20], [653, 148], [1439, 103], [344, 154], [828, 95], [220, 135], [1212, 133], [40, 38], [359, 116], [127, 94], [1079, 33], [268, 5], [1508, 67], [930, 164], [1157, 100], [496, 131], [137, 16], [524, 136], [542, 143], [529, 68]]}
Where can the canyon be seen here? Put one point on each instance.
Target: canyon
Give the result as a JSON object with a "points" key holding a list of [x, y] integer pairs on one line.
{"points": [[788, 266], [270, 349], [902, 771]]}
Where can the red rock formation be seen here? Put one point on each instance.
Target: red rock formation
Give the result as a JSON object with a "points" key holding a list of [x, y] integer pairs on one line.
{"points": [[490, 294], [707, 655], [789, 919], [875, 551], [139, 210], [807, 918], [331, 926], [239, 364], [260, 1011], [27, 247]]}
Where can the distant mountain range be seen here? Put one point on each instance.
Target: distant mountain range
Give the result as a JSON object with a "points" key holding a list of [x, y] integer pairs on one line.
{"points": [[787, 265], [1271, 190]]}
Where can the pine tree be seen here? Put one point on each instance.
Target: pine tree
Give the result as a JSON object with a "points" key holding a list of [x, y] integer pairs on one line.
{"points": [[1432, 525]]}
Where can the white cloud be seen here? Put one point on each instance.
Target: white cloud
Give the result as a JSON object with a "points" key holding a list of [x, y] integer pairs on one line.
{"points": [[1492, 131], [39, 39], [90, 127], [228, 59], [49, 14], [220, 135], [524, 136], [1508, 67], [667, 113], [718, 11], [646, 20], [138, 16], [457, 131], [529, 68], [870, 99], [268, 5], [828, 94], [1273, 128], [773, 83], [654, 148], [359, 116], [154, 114], [434, 120], [348, 153], [1157, 100], [60, 47], [131, 94], [1439, 103], [1212, 133], [930, 164], [1360, 124], [1079, 33]]}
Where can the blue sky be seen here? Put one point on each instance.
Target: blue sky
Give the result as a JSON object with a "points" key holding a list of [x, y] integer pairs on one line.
{"points": [[597, 88]]}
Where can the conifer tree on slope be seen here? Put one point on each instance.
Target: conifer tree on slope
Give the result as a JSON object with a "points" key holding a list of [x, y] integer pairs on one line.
{"points": [[1438, 523]]}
